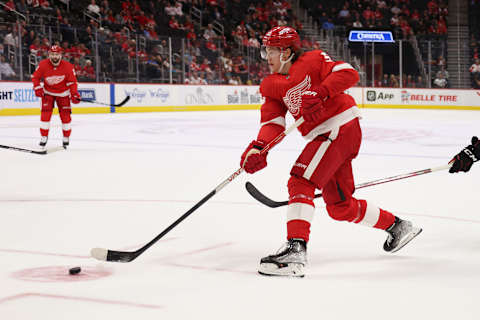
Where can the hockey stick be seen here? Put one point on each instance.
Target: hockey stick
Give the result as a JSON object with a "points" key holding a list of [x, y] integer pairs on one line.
{"points": [[107, 104], [254, 192], [46, 151], [127, 256]]}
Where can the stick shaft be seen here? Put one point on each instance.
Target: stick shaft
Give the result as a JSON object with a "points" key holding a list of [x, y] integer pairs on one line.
{"points": [[106, 104], [126, 256], [259, 196], [398, 177]]}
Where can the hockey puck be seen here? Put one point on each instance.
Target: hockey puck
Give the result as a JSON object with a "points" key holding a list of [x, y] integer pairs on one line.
{"points": [[75, 270]]}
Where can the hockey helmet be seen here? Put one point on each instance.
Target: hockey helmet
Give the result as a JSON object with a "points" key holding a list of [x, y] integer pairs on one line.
{"points": [[282, 37], [55, 49]]}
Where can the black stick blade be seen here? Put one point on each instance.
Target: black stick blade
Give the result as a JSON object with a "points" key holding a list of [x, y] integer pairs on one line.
{"points": [[123, 102], [45, 151], [254, 192], [113, 256]]}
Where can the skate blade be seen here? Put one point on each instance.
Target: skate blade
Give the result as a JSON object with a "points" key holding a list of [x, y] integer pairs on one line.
{"points": [[415, 232], [292, 270]]}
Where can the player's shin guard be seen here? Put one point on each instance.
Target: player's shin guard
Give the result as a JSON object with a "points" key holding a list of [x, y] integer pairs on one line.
{"points": [[371, 216], [45, 117], [300, 208], [66, 129], [400, 232], [291, 259], [361, 212]]}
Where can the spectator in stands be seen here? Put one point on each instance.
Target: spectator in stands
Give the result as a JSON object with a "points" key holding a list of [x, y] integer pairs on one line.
{"points": [[93, 7], [178, 9], [88, 71], [475, 67], [232, 81], [170, 9], [357, 23], [385, 81], [22, 6], [476, 81], [410, 83], [77, 67], [328, 25], [35, 47], [67, 30], [209, 33], [153, 68], [195, 79], [11, 38], [205, 66], [474, 71], [441, 61], [44, 4], [420, 83], [87, 36], [440, 81], [393, 81], [444, 72], [28, 40], [441, 26], [475, 54], [344, 14], [6, 71]]}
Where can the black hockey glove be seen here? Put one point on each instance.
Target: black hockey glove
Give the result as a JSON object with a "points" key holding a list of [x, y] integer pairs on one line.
{"points": [[464, 160]]}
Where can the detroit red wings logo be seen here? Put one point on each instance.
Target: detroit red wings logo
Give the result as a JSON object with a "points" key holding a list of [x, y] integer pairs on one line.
{"points": [[53, 80], [293, 97]]}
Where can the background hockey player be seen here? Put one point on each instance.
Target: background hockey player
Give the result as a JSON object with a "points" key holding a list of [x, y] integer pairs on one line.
{"points": [[311, 85], [60, 86]]}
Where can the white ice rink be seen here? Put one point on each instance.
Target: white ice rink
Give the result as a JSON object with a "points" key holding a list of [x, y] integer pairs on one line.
{"points": [[126, 177]]}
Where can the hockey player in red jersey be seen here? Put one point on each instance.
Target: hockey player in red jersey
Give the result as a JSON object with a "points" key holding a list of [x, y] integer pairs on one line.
{"points": [[60, 86], [311, 85]]}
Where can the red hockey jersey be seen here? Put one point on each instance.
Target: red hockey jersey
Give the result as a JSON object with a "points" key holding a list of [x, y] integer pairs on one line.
{"points": [[312, 71], [58, 81]]}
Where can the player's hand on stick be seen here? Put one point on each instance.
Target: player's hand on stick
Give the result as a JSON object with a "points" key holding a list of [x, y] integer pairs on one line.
{"points": [[312, 106], [464, 160], [75, 97], [252, 161], [39, 92]]}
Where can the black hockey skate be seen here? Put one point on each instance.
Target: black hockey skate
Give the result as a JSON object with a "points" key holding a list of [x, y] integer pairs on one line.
{"points": [[399, 234], [289, 261], [43, 141], [66, 142]]}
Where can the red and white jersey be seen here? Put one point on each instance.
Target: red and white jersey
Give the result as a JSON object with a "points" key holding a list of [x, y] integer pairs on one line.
{"points": [[474, 68], [57, 81], [312, 71]]}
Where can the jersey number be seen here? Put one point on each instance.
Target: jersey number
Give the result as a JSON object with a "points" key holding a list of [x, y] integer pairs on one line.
{"points": [[327, 57]]}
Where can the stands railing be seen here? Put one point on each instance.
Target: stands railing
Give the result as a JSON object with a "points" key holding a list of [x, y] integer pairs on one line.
{"points": [[93, 16], [218, 27], [196, 15]]}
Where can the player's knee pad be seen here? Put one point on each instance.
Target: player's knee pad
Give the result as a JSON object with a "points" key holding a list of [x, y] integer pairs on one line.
{"points": [[347, 210], [301, 190], [46, 115], [47, 103], [65, 115]]}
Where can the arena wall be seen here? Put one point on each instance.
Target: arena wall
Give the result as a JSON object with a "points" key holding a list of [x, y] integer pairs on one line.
{"points": [[18, 98]]}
